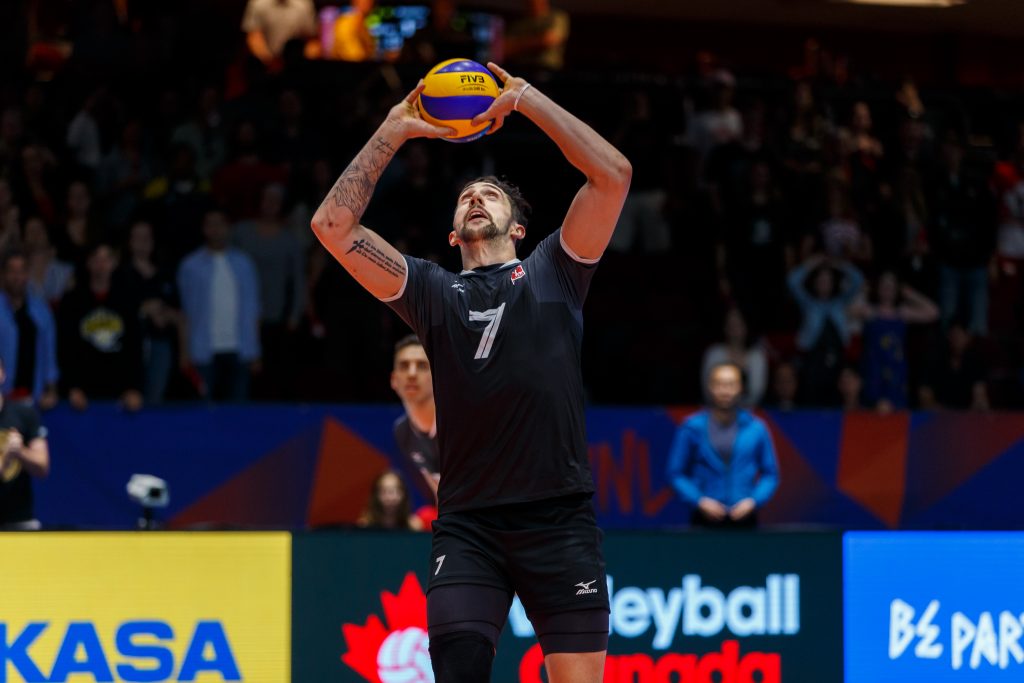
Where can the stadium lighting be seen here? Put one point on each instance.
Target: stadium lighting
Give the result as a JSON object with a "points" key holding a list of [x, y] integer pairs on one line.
{"points": [[903, 3]]}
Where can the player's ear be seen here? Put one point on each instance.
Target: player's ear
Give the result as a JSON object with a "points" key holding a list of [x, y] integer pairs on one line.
{"points": [[453, 239], [518, 231]]}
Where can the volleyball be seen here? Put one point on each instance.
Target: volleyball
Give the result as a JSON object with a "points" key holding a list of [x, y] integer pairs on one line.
{"points": [[455, 91], [404, 657]]}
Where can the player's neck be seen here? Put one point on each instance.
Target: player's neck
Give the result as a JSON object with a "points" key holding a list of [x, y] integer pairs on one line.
{"points": [[487, 253], [423, 416]]}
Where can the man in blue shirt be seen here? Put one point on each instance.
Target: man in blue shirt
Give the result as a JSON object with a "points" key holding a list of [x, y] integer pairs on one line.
{"points": [[722, 460]]}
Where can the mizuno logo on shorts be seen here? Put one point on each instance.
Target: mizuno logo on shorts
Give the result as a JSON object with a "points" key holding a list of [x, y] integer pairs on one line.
{"points": [[585, 587]]}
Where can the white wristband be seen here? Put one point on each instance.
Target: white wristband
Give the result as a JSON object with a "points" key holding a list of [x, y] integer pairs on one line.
{"points": [[515, 105]]}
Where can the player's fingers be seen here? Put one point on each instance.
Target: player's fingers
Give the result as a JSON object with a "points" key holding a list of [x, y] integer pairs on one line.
{"points": [[499, 121], [498, 71], [483, 116], [411, 97]]}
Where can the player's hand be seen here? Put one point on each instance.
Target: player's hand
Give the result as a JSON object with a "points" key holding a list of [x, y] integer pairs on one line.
{"points": [[712, 509], [405, 117], [742, 509], [511, 88], [15, 443]]}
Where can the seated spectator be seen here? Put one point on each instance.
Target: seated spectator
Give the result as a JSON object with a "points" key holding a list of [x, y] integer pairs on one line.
{"points": [[238, 185], [722, 460], [158, 310], [840, 235], [49, 277], [220, 305], [892, 308], [388, 507], [851, 389], [28, 336], [10, 216], [100, 341], [743, 351], [721, 124], [538, 39], [24, 454], [825, 329], [270, 24], [957, 377], [78, 230], [785, 387]]}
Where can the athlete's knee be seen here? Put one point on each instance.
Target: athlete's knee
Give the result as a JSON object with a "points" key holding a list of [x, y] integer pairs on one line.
{"points": [[461, 657]]}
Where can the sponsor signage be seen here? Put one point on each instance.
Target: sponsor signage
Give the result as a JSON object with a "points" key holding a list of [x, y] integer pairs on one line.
{"points": [[686, 608], [155, 607], [934, 607]]}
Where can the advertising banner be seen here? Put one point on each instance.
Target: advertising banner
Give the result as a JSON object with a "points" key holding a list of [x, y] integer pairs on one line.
{"points": [[934, 607], [156, 607], [686, 608]]}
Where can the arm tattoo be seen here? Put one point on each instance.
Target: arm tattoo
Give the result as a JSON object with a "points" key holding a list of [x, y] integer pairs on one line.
{"points": [[355, 186], [378, 257]]}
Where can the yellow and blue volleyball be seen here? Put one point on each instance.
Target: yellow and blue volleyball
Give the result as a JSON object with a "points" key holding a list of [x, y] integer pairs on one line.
{"points": [[455, 91]]}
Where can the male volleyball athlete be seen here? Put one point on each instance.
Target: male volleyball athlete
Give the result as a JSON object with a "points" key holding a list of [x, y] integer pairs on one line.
{"points": [[503, 338]]}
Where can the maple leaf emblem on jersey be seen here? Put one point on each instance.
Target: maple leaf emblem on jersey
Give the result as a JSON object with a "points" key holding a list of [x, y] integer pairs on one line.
{"points": [[517, 273], [397, 652]]}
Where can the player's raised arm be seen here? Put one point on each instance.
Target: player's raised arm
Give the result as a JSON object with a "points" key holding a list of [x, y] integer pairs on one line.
{"points": [[594, 212], [374, 263]]}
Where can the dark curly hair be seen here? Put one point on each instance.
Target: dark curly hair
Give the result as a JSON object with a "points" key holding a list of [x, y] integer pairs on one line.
{"points": [[520, 207]]}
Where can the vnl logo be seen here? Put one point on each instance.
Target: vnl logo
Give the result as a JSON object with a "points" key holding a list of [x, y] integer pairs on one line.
{"points": [[934, 606], [142, 651]]}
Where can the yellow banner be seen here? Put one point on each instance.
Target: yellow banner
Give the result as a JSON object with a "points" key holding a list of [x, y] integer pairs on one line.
{"points": [[148, 606]]}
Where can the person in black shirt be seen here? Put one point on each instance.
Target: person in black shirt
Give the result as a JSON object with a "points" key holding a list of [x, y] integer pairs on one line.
{"points": [[23, 454], [503, 338], [416, 431]]}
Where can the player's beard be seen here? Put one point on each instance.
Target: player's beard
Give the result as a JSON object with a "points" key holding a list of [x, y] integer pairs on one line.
{"points": [[484, 233]]}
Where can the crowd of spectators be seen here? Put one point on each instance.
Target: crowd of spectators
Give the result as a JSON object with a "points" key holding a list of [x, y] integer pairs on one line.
{"points": [[846, 245]]}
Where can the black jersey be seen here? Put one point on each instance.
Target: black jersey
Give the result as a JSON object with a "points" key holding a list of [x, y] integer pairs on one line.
{"points": [[504, 347], [15, 483], [420, 455]]}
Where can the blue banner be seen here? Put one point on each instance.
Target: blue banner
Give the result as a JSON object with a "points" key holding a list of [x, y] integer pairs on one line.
{"points": [[934, 607]]}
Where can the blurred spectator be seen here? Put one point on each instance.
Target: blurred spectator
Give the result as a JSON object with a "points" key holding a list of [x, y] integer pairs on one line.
{"points": [[840, 234], [352, 41], [270, 24], [642, 220], [28, 336], [721, 124], [442, 38], [177, 201], [851, 389], [10, 217], [759, 248], [388, 507], [159, 316], [823, 289], [12, 138], [123, 174], [83, 137], [803, 157], [962, 235], [204, 133], [24, 454], [884, 340], [238, 185], [957, 376], [742, 349], [79, 229], [785, 387], [722, 460], [280, 268], [49, 277], [219, 292], [538, 39], [862, 154], [100, 341], [33, 182], [415, 207], [416, 431]]}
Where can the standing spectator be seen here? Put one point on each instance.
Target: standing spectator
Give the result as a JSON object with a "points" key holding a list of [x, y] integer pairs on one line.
{"points": [[49, 277], [280, 268], [28, 336], [840, 234], [141, 273], [721, 124], [825, 329], [10, 215], [388, 507], [351, 40], [204, 133], [740, 349], [83, 138], [101, 347], [79, 230], [885, 360], [179, 198], [220, 305], [803, 155], [270, 24], [416, 431], [957, 376], [33, 182], [238, 185], [722, 460], [962, 237], [123, 174], [863, 157], [24, 454]]}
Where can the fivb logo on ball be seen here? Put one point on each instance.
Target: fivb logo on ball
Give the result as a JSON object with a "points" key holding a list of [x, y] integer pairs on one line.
{"points": [[395, 651]]}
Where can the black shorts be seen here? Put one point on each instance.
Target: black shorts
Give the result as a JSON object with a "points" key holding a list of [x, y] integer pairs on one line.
{"points": [[549, 552]]}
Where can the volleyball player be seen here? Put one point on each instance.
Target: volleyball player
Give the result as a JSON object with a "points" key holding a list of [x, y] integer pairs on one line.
{"points": [[503, 338]]}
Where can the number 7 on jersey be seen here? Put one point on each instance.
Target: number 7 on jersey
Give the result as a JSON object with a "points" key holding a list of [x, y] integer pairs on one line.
{"points": [[493, 318]]}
